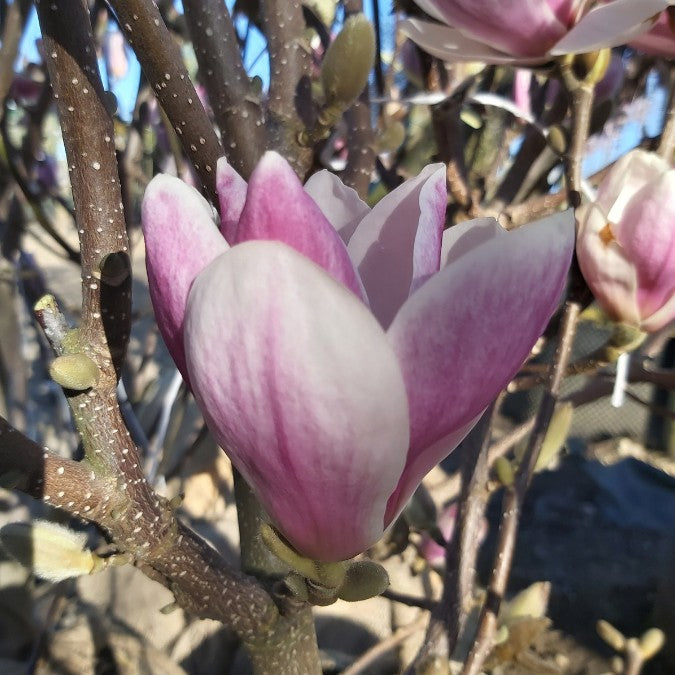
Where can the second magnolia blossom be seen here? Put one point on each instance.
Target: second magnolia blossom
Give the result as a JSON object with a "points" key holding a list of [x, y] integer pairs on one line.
{"points": [[337, 352], [626, 243], [527, 32]]}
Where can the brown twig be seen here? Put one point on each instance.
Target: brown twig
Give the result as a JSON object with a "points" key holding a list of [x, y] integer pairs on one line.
{"points": [[236, 107], [409, 600], [667, 141], [160, 58], [15, 20], [530, 150], [360, 135], [513, 500], [449, 616], [290, 109], [108, 486], [386, 645]]}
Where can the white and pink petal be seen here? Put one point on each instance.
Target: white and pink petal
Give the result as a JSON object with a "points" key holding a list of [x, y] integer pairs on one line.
{"points": [[181, 239], [300, 386], [463, 335], [231, 188], [397, 246], [341, 204], [277, 208]]}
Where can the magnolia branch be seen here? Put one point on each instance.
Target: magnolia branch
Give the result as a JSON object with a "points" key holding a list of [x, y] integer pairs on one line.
{"points": [[360, 136], [514, 496], [290, 109], [159, 56], [236, 106], [108, 486]]}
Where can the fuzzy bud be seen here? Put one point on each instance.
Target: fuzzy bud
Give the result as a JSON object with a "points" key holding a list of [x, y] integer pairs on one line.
{"points": [[51, 551]]}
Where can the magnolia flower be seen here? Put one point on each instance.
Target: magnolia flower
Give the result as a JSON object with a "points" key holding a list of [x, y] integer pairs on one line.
{"points": [[338, 352], [527, 32], [626, 242], [660, 40]]}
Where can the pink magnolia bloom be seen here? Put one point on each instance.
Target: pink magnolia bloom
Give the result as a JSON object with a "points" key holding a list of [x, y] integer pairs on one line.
{"points": [[660, 40], [338, 352], [626, 242], [527, 32]]}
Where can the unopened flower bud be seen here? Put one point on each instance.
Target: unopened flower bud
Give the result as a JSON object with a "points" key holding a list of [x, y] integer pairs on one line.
{"points": [[626, 242], [51, 551], [345, 68]]}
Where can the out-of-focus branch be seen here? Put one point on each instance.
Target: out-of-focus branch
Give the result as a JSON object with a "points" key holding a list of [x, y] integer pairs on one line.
{"points": [[15, 21], [360, 136], [161, 61], [667, 141], [236, 107], [448, 618], [530, 150], [290, 108]]}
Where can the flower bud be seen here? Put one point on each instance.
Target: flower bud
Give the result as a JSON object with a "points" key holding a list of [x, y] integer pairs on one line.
{"points": [[626, 242], [51, 551], [345, 68]]}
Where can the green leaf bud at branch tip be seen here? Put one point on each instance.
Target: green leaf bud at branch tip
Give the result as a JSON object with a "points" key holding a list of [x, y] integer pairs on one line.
{"points": [[347, 64], [556, 435], [612, 636], [651, 643], [74, 371]]}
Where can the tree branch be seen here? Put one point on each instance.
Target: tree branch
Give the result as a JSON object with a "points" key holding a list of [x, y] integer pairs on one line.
{"points": [[290, 108], [160, 58], [514, 496], [236, 107]]}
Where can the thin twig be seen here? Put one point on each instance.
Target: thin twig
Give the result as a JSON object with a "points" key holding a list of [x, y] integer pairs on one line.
{"points": [[386, 645], [513, 500], [236, 107], [15, 21], [667, 142], [409, 600], [449, 616], [290, 109], [160, 58]]}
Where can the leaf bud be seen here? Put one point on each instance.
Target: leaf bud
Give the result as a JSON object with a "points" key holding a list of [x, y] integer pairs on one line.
{"points": [[348, 60], [612, 636], [74, 371], [651, 642], [364, 579]]}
